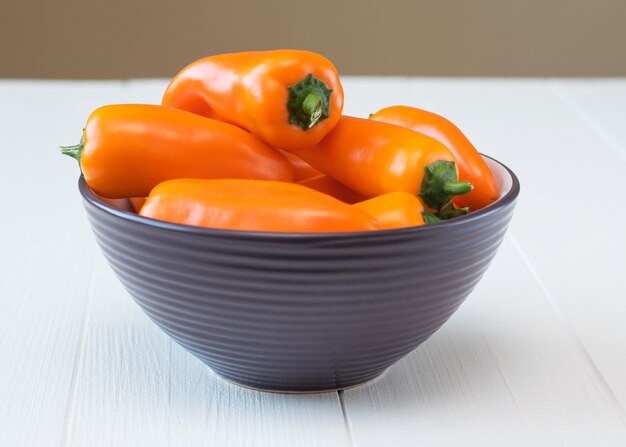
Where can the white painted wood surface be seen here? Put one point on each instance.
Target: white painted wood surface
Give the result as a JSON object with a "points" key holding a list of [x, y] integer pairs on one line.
{"points": [[536, 356]]}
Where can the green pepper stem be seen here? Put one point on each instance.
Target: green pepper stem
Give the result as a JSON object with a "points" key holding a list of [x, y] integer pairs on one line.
{"points": [[440, 184], [75, 151], [457, 188], [450, 211], [430, 218], [311, 103], [72, 151], [312, 106], [308, 102]]}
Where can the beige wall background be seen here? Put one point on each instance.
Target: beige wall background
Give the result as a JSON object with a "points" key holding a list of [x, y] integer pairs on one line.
{"points": [[155, 38]]}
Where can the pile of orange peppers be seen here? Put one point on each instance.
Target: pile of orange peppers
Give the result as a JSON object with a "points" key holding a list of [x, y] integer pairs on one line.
{"points": [[257, 141]]}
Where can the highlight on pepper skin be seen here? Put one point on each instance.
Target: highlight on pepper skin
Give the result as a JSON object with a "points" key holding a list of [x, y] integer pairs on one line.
{"points": [[256, 141], [126, 150], [375, 158], [253, 205], [470, 164], [290, 99]]}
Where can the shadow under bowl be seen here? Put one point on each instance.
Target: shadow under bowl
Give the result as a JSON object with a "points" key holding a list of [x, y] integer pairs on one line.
{"points": [[300, 312]]}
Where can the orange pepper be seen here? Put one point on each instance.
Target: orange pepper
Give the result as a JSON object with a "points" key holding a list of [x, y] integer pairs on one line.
{"points": [[137, 203], [394, 210], [374, 158], [471, 165], [289, 98], [253, 205], [301, 169], [126, 150], [327, 185]]}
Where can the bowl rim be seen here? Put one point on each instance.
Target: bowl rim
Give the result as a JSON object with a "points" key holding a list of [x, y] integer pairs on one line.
{"points": [[506, 199]]}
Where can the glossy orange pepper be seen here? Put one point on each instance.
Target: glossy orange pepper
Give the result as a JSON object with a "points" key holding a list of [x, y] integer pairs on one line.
{"points": [[126, 150], [301, 169], [470, 164], [289, 98], [375, 158], [327, 185], [394, 210], [253, 205]]}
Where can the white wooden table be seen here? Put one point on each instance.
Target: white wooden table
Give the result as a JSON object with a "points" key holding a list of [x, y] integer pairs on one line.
{"points": [[535, 356]]}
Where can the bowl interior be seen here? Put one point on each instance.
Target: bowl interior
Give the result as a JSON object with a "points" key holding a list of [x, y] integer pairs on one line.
{"points": [[503, 177]]}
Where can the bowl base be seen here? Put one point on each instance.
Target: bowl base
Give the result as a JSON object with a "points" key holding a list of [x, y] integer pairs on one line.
{"points": [[304, 390]]}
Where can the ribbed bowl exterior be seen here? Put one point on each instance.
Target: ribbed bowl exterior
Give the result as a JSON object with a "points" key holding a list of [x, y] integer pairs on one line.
{"points": [[298, 312]]}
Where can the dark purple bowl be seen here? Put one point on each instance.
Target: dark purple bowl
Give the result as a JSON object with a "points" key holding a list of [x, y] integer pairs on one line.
{"points": [[300, 312]]}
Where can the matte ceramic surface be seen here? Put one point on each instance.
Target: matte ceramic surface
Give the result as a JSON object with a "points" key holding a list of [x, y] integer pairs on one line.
{"points": [[300, 312]]}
